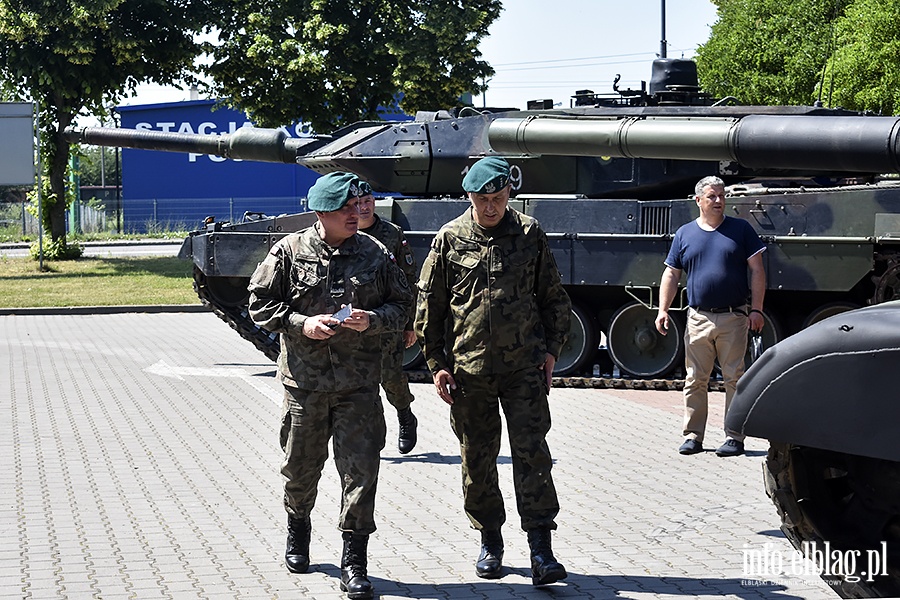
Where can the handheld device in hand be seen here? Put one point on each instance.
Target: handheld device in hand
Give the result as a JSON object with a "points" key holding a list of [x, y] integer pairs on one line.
{"points": [[341, 315]]}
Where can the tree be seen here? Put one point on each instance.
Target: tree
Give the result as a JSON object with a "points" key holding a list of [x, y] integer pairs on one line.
{"points": [[97, 166], [82, 54], [865, 71], [768, 51], [333, 62]]}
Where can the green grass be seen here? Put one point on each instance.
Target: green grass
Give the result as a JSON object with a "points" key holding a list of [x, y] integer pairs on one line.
{"points": [[96, 282], [13, 233]]}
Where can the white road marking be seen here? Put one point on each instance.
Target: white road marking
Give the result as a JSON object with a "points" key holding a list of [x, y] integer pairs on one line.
{"points": [[164, 369]]}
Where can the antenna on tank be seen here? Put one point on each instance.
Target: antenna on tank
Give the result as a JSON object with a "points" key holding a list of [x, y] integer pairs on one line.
{"points": [[662, 20]]}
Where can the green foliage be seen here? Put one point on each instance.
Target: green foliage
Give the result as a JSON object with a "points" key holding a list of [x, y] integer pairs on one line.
{"points": [[55, 250], [767, 51], [159, 233], [333, 62], [90, 163], [865, 71], [443, 41], [845, 53], [70, 56], [48, 203], [95, 203]]}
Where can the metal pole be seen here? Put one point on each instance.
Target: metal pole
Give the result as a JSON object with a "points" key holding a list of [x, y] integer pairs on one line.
{"points": [[118, 195], [662, 42], [118, 180], [37, 128]]}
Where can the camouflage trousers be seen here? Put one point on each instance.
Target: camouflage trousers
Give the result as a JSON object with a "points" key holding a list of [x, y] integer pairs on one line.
{"points": [[355, 418], [475, 418], [393, 379]]}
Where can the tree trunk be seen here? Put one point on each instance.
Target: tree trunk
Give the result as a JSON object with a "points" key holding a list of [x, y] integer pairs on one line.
{"points": [[59, 160]]}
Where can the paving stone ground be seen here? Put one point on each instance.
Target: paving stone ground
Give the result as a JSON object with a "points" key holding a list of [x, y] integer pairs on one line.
{"points": [[139, 459]]}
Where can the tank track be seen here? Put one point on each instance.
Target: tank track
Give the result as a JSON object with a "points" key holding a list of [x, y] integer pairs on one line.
{"points": [[239, 320], [598, 383], [821, 494]]}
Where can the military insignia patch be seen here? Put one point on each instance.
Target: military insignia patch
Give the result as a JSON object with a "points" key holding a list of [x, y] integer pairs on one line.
{"points": [[489, 188], [409, 259]]}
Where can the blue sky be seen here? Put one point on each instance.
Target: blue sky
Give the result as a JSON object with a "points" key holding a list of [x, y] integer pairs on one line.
{"points": [[544, 49]]}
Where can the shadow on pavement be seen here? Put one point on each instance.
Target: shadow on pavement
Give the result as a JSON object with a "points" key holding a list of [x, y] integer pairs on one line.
{"points": [[576, 585], [435, 458]]}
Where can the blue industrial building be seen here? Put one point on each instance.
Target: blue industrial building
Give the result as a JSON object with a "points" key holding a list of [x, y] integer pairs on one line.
{"points": [[172, 190]]}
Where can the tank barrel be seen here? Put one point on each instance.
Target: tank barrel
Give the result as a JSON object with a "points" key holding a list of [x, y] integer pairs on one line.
{"points": [[247, 143], [813, 143], [687, 139]]}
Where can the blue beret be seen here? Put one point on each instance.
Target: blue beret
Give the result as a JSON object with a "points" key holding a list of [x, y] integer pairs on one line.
{"points": [[364, 188], [331, 192], [488, 176]]}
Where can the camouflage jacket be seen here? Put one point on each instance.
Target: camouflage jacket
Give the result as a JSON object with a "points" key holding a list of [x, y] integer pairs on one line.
{"points": [[491, 301], [392, 237], [302, 276]]}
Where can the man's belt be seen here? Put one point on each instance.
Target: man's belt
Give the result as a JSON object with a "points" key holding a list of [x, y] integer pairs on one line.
{"points": [[722, 309]]}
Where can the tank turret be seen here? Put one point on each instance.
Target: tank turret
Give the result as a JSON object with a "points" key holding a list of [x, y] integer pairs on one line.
{"points": [[427, 157]]}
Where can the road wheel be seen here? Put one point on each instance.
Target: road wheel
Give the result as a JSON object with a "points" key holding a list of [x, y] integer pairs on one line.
{"points": [[638, 348], [581, 343]]}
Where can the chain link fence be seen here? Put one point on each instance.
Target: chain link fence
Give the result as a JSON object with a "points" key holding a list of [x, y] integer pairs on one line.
{"points": [[149, 215], [15, 221], [102, 213]]}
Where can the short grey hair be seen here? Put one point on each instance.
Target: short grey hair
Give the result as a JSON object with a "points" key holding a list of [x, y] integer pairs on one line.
{"points": [[708, 180]]}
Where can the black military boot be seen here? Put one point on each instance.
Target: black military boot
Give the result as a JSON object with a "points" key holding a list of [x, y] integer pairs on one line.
{"points": [[490, 561], [407, 439], [296, 556], [544, 567], [354, 579]]}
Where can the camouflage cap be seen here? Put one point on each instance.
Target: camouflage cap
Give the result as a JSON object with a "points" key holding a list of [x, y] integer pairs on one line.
{"points": [[488, 176], [364, 188], [331, 192]]}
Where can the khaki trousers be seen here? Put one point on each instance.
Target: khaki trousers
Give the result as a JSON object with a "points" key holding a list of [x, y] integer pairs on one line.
{"points": [[709, 336]]}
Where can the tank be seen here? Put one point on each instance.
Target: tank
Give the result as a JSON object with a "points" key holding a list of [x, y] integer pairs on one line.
{"points": [[611, 179], [826, 399]]}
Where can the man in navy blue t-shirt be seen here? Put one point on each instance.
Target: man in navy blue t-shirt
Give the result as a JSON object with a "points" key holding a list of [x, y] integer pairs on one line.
{"points": [[716, 252]]}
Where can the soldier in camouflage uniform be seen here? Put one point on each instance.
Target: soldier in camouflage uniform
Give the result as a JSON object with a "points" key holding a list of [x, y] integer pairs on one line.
{"points": [[393, 379], [330, 368], [492, 317]]}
